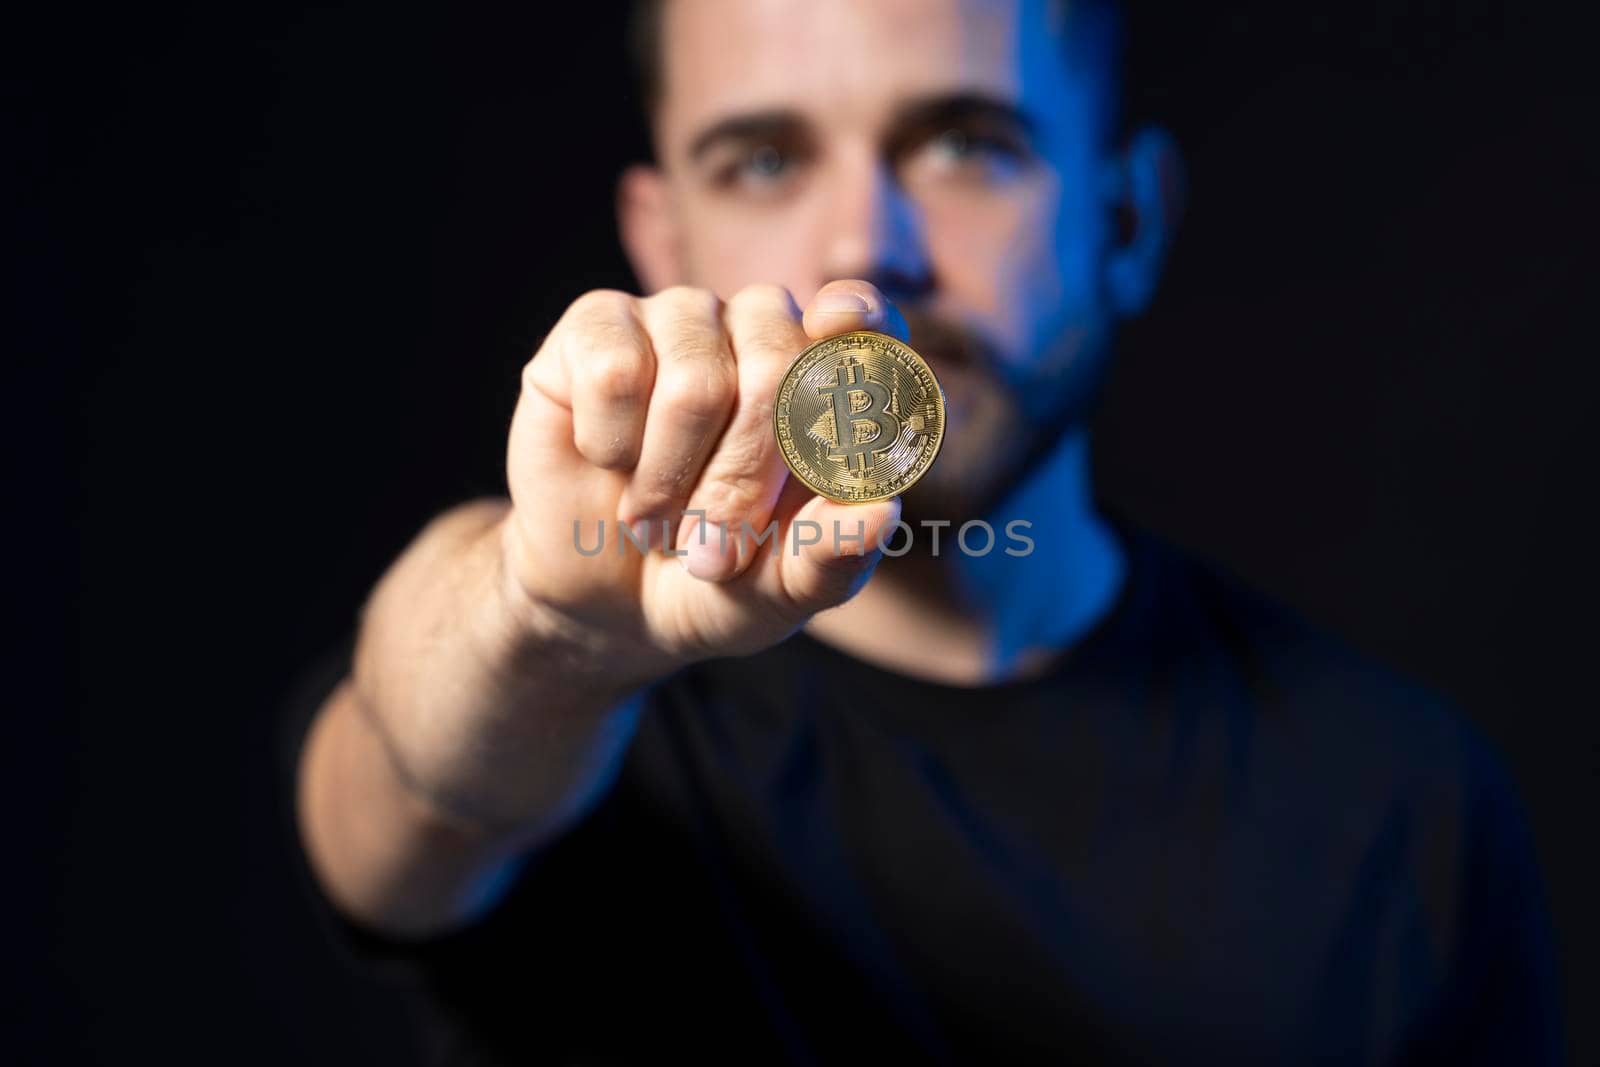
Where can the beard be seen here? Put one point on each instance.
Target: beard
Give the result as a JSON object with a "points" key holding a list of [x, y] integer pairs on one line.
{"points": [[998, 425]]}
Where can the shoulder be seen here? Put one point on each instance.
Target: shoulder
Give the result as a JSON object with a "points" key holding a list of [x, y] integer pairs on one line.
{"points": [[1340, 720], [1374, 794], [1291, 665]]}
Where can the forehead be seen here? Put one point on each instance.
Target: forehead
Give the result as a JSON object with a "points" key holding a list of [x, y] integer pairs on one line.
{"points": [[850, 60]]}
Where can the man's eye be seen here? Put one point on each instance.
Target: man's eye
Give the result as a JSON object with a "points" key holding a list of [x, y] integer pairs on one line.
{"points": [[766, 162], [761, 167], [990, 156]]}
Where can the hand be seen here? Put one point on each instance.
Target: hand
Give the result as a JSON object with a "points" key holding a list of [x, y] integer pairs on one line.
{"points": [[647, 409]]}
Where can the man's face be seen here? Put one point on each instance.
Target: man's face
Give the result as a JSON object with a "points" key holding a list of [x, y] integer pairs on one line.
{"points": [[944, 149]]}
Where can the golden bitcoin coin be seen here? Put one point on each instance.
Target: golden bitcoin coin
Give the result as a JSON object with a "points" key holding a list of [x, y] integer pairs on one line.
{"points": [[859, 417]]}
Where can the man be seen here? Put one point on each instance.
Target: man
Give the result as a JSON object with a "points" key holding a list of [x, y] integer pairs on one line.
{"points": [[1084, 803]]}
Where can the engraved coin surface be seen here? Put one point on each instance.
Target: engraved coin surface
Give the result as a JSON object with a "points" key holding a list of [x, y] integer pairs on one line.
{"points": [[859, 417]]}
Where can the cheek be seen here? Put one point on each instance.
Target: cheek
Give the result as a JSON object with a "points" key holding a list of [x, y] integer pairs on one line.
{"points": [[1033, 270], [998, 256], [1073, 245]]}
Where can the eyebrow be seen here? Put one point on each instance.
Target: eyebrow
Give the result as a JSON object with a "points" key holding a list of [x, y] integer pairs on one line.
{"points": [[757, 126], [951, 109], [944, 109]]}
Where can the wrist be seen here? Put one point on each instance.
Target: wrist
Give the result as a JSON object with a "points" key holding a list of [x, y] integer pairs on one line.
{"points": [[545, 640]]}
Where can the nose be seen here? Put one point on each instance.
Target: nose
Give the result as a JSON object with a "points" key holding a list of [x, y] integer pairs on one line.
{"points": [[877, 235]]}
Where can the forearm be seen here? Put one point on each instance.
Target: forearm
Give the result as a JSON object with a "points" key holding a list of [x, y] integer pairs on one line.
{"points": [[383, 852], [467, 734]]}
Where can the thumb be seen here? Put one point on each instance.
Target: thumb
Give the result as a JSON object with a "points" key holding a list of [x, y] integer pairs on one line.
{"points": [[852, 304], [830, 549]]}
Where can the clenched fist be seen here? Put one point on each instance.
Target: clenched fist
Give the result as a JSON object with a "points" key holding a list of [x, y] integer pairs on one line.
{"points": [[652, 412], [489, 698]]}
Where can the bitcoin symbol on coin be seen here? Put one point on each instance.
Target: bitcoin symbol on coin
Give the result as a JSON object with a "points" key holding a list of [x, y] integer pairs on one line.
{"points": [[859, 416], [845, 417]]}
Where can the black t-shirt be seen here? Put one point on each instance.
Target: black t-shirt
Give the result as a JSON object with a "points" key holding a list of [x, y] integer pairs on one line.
{"points": [[1210, 834]]}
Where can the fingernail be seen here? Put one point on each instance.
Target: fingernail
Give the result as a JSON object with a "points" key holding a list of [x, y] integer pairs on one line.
{"points": [[690, 528], [841, 302], [710, 561]]}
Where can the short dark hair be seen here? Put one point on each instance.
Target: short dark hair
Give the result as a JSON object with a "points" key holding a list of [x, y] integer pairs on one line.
{"points": [[644, 51], [1097, 37]]}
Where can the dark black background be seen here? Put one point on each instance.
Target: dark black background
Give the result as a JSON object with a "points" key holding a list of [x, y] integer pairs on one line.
{"points": [[275, 269]]}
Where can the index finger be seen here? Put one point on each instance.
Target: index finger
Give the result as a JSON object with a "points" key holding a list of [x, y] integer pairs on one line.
{"points": [[852, 304]]}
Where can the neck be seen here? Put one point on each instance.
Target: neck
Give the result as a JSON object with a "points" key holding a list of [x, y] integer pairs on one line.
{"points": [[967, 619]]}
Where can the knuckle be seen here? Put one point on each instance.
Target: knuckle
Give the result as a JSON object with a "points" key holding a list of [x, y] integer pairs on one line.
{"points": [[687, 324], [605, 448], [765, 321], [762, 296], [771, 338], [726, 498], [530, 373], [600, 304], [692, 342], [666, 492], [702, 390], [614, 375], [612, 334], [688, 301], [696, 347], [743, 457]]}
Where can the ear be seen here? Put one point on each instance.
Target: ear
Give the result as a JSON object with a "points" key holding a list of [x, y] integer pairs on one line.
{"points": [[648, 228], [1148, 191]]}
